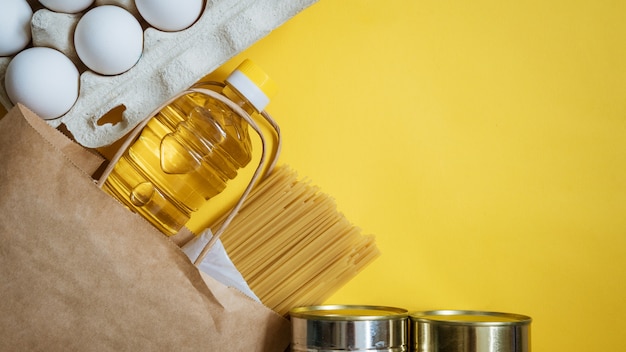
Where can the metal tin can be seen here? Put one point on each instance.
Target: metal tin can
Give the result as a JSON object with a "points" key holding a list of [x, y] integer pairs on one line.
{"points": [[332, 328], [469, 331]]}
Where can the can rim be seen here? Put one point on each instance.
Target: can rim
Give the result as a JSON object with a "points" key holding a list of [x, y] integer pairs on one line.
{"points": [[446, 317], [309, 312]]}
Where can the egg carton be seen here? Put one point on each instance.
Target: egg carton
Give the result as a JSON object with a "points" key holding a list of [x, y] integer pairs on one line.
{"points": [[170, 62]]}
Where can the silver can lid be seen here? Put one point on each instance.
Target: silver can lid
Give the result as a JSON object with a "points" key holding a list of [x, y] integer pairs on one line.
{"points": [[470, 317], [348, 312]]}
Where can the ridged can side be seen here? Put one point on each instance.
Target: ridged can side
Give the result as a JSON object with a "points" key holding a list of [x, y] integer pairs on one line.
{"points": [[469, 331], [333, 328]]}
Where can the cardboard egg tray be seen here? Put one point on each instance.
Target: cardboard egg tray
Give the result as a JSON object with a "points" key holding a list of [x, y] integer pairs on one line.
{"points": [[170, 63]]}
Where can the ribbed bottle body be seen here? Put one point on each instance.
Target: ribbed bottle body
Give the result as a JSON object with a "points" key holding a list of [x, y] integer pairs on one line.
{"points": [[183, 156]]}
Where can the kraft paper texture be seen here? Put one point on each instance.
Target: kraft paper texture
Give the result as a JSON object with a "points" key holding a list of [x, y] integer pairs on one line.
{"points": [[79, 271]]}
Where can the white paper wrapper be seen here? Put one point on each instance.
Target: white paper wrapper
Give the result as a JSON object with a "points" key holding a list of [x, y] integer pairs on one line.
{"points": [[217, 263]]}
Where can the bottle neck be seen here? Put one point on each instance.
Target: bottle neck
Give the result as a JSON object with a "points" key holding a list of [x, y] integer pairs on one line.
{"points": [[236, 98]]}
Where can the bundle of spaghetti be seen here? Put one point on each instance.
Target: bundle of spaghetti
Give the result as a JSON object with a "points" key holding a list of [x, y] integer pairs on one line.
{"points": [[292, 245]]}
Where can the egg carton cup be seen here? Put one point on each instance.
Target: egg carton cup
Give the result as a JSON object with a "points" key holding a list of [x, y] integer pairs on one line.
{"points": [[170, 63]]}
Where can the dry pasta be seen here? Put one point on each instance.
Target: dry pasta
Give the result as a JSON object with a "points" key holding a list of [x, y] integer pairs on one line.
{"points": [[292, 245]]}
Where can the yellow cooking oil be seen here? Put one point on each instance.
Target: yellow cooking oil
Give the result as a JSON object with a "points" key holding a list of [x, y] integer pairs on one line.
{"points": [[188, 151]]}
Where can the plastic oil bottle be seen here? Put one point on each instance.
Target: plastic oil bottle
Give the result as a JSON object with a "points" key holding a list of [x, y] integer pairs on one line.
{"points": [[188, 151]]}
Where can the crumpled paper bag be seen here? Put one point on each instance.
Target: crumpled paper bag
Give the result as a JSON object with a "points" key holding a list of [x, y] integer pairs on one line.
{"points": [[80, 272]]}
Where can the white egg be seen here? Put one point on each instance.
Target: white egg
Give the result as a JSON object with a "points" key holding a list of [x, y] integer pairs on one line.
{"points": [[15, 16], [170, 15], [44, 80], [108, 40], [67, 6]]}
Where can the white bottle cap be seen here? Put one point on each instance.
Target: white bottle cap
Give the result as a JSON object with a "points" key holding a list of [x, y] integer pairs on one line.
{"points": [[253, 84]]}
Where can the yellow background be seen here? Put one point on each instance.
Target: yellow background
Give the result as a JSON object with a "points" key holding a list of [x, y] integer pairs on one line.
{"points": [[482, 142]]}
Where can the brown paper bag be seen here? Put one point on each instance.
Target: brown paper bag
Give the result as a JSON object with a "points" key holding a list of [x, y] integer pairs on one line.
{"points": [[81, 272]]}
